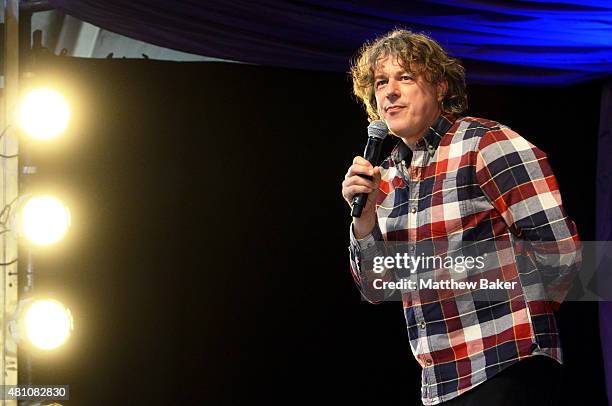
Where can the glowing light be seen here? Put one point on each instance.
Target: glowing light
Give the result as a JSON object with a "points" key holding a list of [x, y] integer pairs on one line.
{"points": [[44, 113], [47, 324], [44, 220]]}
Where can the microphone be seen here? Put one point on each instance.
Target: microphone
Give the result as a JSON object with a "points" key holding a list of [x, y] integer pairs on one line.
{"points": [[377, 131]]}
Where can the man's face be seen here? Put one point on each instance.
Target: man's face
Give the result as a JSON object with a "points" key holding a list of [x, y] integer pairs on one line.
{"points": [[408, 104]]}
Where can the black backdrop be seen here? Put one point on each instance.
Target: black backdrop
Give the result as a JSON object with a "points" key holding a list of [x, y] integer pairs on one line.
{"points": [[207, 262]]}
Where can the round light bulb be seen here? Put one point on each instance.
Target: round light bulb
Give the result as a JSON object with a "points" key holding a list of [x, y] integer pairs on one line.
{"points": [[47, 324], [44, 113], [44, 219]]}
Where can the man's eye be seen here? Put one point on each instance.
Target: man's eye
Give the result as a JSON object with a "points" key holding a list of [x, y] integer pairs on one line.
{"points": [[406, 77], [379, 83]]}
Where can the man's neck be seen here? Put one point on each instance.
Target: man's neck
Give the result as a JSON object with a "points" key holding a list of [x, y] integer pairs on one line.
{"points": [[413, 140]]}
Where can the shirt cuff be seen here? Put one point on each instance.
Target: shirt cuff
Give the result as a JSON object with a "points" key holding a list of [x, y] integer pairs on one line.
{"points": [[368, 241]]}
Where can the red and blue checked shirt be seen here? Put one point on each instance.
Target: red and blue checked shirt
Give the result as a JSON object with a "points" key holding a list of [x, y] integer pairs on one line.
{"points": [[471, 179]]}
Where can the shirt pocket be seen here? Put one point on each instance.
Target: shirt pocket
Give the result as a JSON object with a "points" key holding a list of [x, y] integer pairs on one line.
{"points": [[450, 205]]}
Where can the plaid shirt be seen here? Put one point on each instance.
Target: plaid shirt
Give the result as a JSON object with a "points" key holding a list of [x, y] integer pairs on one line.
{"points": [[471, 179]]}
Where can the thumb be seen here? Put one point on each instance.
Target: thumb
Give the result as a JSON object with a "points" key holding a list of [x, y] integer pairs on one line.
{"points": [[376, 176]]}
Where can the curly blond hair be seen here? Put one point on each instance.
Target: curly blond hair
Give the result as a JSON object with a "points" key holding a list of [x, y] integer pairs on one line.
{"points": [[416, 53]]}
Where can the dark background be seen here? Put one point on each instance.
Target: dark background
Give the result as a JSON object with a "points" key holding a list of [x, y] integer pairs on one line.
{"points": [[208, 262]]}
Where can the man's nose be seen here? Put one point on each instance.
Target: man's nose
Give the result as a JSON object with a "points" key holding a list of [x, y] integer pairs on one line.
{"points": [[393, 89]]}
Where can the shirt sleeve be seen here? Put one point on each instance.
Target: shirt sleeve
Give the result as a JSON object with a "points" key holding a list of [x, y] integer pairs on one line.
{"points": [[519, 182], [363, 253]]}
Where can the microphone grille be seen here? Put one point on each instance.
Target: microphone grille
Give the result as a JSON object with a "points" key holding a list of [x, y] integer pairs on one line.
{"points": [[378, 129]]}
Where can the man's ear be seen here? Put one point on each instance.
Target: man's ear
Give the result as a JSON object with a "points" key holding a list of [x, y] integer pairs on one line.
{"points": [[441, 88]]}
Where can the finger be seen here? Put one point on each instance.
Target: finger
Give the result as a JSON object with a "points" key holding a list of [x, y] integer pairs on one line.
{"points": [[360, 189], [359, 160], [357, 169], [358, 181], [351, 191]]}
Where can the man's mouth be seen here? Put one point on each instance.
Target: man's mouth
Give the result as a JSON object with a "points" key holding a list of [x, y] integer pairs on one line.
{"points": [[393, 107]]}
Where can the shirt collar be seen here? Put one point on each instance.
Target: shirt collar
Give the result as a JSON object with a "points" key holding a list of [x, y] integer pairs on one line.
{"points": [[430, 140]]}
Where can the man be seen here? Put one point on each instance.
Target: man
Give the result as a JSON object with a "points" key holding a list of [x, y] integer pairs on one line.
{"points": [[455, 179]]}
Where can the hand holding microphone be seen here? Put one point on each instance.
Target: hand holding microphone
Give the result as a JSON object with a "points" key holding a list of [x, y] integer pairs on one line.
{"points": [[360, 185]]}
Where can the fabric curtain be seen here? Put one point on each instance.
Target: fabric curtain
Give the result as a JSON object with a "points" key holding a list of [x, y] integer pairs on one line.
{"points": [[520, 42], [604, 222]]}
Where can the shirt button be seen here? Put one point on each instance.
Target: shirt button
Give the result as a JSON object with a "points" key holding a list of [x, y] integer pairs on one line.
{"points": [[422, 324], [412, 248], [413, 210], [428, 362]]}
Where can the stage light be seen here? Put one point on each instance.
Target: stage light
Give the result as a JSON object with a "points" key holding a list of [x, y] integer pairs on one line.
{"points": [[44, 220], [44, 113], [46, 324]]}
